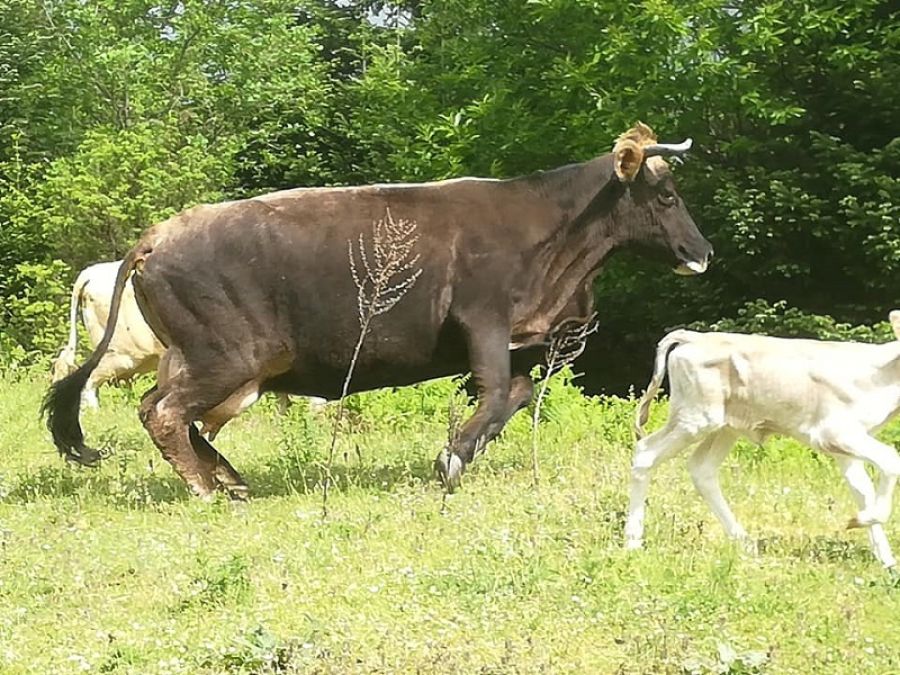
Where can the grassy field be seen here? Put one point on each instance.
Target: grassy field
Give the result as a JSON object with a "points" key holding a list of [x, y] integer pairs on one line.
{"points": [[118, 570]]}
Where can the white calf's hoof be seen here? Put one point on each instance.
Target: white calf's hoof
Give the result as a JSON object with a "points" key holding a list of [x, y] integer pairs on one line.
{"points": [[449, 468]]}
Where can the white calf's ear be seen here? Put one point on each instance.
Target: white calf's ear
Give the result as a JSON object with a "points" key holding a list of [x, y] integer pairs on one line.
{"points": [[895, 322]]}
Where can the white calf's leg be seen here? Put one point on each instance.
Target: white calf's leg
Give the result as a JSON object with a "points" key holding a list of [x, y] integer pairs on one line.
{"points": [[863, 492], [284, 403], [703, 466], [89, 394], [886, 460], [112, 366], [648, 454]]}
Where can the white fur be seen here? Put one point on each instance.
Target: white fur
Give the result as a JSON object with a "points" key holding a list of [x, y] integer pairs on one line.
{"points": [[829, 395]]}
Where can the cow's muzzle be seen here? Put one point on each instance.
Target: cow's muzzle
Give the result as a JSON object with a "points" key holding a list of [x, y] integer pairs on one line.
{"points": [[692, 267]]}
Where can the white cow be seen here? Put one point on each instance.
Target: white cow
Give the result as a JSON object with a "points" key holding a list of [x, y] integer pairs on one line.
{"points": [[134, 348], [830, 395]]}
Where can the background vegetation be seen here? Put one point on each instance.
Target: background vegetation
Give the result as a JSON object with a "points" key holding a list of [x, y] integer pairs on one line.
{"points": [[117, 113]]}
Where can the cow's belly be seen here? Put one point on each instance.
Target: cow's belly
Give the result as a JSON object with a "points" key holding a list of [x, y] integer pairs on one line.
{"points": [[327, 382], [330, 388]]}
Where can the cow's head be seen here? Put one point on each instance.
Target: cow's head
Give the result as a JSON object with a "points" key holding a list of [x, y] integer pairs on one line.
{"points": [[660, 222], [895, 322]]}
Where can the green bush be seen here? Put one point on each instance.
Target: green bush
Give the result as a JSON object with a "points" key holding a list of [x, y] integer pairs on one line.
{"points": [[778, 319], [33, 322]]}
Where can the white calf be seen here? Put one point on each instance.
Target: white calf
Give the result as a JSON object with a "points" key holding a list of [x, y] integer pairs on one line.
{"points": [[134, 348], [830, 395]]}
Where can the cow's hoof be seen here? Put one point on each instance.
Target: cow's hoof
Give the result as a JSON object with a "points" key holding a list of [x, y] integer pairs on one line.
{"points": [[861, 520], [237, 493], [85, 457], [894, 578], [205, 491], [449, 468], [750, 546]]}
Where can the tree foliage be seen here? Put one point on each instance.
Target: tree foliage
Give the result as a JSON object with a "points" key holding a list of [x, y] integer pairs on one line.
{"points": [[116, 114]]}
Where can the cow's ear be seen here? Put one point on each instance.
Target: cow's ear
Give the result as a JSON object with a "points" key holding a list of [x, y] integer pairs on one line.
{"points": [[895, 322], [628, 157]]}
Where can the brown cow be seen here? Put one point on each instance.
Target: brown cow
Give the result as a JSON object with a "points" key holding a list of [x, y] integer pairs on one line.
{"points": [[133, 350], [257, 295]]}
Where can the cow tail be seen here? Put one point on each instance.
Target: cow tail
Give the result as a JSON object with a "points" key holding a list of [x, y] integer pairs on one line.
{"points": [[665, 345], [62, 402], [77, 290]]}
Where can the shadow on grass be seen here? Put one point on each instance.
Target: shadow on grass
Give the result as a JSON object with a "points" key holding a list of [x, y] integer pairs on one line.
{"points": [[282, 476], [278, 477], [65, 480], [818, 549]]}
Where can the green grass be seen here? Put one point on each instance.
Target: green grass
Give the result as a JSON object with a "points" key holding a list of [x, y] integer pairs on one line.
{"points": [[118, 570]]}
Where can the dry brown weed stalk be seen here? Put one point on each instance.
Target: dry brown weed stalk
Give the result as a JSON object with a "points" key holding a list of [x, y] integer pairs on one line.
{"points": [[567, 342], [382, 277]]}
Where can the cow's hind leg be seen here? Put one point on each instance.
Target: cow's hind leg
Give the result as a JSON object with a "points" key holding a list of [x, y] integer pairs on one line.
{"points": [[226, 476], [863, 492], [89, 398], [703, 466], [112, 367], [168, 420], [648, 454]]}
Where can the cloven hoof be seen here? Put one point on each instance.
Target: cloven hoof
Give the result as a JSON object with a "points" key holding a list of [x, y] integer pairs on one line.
{"points": [[237, 493], [85, 456], [449, 468]]}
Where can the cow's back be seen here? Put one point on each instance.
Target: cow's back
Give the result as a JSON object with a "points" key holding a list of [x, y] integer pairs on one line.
{"points": [[762, 385]]}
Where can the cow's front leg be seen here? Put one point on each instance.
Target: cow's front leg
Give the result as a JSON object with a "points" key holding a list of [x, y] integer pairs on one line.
{"points": [[490, 363], [863, 492], [859, 444]]}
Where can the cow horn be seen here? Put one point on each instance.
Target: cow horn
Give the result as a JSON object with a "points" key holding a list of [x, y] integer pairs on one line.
{"points": [[663, 149]]}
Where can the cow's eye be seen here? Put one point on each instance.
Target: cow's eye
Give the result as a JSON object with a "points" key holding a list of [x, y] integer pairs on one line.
{"points": [[667, 198]]}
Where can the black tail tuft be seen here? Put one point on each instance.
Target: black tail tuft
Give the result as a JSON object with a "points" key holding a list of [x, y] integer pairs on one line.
{"points": [[62, 406]]}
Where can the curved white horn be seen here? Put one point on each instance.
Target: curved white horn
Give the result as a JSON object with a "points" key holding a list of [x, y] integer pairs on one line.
{"points": [[668, 148]]}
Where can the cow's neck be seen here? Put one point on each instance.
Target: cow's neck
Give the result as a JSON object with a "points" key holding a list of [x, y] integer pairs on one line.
{"points": [[581, 235]]}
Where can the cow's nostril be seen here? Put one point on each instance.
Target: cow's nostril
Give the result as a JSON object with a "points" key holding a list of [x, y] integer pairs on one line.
{"points": [[682, 251]]}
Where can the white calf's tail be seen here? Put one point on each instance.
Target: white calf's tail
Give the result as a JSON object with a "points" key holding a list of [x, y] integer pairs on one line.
{"points": [[65, 362], [670, 341]]}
